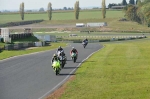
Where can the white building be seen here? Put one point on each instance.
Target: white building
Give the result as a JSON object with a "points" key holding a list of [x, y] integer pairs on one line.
{"points": [[80, 24], [4, 32], [96, 24]]}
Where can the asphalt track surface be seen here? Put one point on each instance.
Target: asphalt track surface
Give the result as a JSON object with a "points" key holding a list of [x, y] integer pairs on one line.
{"points": [[32, 77]]}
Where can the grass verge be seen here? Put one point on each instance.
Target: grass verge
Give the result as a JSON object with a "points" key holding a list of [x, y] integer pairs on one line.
{"points": [[6, 54], [2, 44], [119, 71]]}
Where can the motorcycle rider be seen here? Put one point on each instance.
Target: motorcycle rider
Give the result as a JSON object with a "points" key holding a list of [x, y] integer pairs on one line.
{"points": [[74, 51], [54, 58], [59, 49], [85, 41], [63, 54]]}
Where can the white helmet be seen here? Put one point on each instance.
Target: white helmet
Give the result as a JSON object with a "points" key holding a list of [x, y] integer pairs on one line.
{"points": [[73, 48]]}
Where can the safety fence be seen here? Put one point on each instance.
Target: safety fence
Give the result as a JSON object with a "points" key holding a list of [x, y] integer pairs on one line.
{"points": [[20, 23], [20, 35], [18, 46], [78, 39]]}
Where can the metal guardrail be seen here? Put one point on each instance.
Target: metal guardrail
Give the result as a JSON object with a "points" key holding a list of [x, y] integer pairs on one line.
{"points": [[113, 37], [95, 39]]}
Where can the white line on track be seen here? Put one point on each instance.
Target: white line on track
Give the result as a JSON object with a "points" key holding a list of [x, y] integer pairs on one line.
{"points": [[63, 81]]}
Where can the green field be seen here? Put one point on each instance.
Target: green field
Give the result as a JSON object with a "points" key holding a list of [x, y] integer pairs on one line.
{"points": [[87, 34], [118, 71], [60, 16], [67, 18]]}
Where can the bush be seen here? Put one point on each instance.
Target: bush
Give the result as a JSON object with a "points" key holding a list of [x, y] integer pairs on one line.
{"points": [[2, 40]]}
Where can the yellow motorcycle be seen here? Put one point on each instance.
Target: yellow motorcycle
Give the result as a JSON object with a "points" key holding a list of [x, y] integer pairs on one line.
{"points": [[56, 67]]}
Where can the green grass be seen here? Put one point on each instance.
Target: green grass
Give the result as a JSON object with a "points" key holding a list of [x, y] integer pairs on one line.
{"points": [[6, 54], [90, 34], [67, 18], [60, 16], [127, 26], [2, 44], [118, 71]]}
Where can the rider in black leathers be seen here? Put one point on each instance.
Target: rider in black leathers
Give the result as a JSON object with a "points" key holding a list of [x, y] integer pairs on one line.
{"points": [[63, 54], [60, 49], [85, 41]]}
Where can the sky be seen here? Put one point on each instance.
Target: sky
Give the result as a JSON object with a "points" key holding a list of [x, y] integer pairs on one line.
{"points": [[37, 4]]}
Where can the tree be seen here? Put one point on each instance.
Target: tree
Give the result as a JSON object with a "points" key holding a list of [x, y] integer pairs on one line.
{"points": [[131, 13], [139, 3], [65, 8], [131, 2], [103, 9], [145, 13], [41, 10], [124, 2], [136, 2], [76, 9], [22, 10], [49, 11], [139, 13]]}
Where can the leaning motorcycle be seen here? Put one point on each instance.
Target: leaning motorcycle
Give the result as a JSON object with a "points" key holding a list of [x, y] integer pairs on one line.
{"points": [[84, 44], [74, 57], [56, 67]]}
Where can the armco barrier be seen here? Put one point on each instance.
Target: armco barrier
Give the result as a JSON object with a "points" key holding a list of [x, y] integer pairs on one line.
{"points": [[25, 45], [18, 46], [20, 23], [9, 47], [20, 35]]}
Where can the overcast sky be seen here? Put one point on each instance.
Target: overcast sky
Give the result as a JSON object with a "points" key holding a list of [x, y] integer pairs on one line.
{"points": [[36, 4]]}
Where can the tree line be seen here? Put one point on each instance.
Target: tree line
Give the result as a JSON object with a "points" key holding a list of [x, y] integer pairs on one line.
{"points": [[123, 3], [139, 13], [76, 10]]}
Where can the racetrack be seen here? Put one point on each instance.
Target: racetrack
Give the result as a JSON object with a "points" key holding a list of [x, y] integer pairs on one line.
{"points": [[32, 77]]}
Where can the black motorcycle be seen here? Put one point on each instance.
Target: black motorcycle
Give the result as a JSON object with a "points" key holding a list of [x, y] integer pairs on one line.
{"points": [[84, 44], [62, 60]]}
